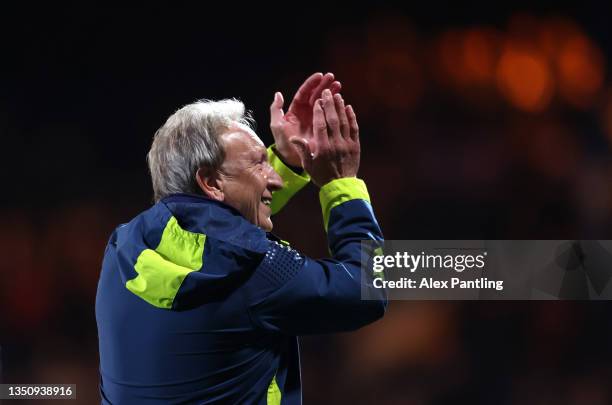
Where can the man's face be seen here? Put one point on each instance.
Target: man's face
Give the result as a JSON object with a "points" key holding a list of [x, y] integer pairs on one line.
{"points": [[247, 178]]}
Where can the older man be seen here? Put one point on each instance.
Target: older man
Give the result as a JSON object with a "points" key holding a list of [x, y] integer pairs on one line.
{"points": [[197, 302]]}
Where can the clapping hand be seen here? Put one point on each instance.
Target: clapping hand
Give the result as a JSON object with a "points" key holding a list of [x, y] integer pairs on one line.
{"points": [[334, 151], [297, 122]]}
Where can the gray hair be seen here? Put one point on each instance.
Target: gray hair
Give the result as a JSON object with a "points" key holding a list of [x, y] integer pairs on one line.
{"points": [[190, 140]]}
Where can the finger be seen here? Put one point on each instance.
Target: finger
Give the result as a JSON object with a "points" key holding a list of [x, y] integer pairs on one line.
{"points": [[335, 87], [331, 116], [303, 148], [276, 108], [342, 117], [326, 81], [352, 118], [305, 90], [319, 127]]}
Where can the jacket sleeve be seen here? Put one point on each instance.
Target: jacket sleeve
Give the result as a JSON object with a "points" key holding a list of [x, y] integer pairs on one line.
{"points": [[292, 181], [298, 295]]}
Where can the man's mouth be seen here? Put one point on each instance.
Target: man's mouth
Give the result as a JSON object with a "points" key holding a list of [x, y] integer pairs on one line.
{"points": [[266, 200]]}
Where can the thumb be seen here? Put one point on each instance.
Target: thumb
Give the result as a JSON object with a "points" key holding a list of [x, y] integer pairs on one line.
{"points": [[276, 108], [303, 149]]}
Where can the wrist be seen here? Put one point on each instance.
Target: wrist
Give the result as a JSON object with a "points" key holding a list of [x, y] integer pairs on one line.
{"points": [[339, 191], [296, 168]]}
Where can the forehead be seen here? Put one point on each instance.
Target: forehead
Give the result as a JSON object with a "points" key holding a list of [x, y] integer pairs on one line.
{"points": [[239, 139]]}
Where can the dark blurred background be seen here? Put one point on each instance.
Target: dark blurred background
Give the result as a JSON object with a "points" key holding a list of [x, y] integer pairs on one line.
{"points": [[478, 120]]}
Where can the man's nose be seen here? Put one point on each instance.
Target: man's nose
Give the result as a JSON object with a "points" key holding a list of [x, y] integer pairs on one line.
{"points": [[275, 181]]}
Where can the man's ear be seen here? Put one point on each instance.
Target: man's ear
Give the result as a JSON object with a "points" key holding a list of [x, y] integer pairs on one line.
{"points": [[210, 184]]}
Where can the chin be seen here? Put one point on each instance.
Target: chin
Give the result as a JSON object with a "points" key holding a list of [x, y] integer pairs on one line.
{"points": [[263, 218], [266, 225]]}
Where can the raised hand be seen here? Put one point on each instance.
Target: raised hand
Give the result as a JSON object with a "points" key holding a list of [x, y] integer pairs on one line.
{"points": [[334, 151], [298, 120]]}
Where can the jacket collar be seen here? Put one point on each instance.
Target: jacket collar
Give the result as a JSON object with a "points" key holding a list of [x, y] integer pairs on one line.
{"points": [[196, 213]]}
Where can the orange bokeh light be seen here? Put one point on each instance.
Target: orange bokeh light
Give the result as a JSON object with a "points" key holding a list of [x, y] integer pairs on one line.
{"points": [[479, 55], [524, 78], [580, 67]]}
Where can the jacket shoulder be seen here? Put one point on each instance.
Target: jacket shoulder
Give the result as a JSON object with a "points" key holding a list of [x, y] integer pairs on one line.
{"points": [[177, 255]]}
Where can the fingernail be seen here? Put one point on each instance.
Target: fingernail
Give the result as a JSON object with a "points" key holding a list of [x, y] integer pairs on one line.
{"points": [[327, 93]]}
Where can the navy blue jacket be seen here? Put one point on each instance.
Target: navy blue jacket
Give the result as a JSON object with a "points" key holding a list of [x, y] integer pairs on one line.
{"points": [[197, 305]]}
